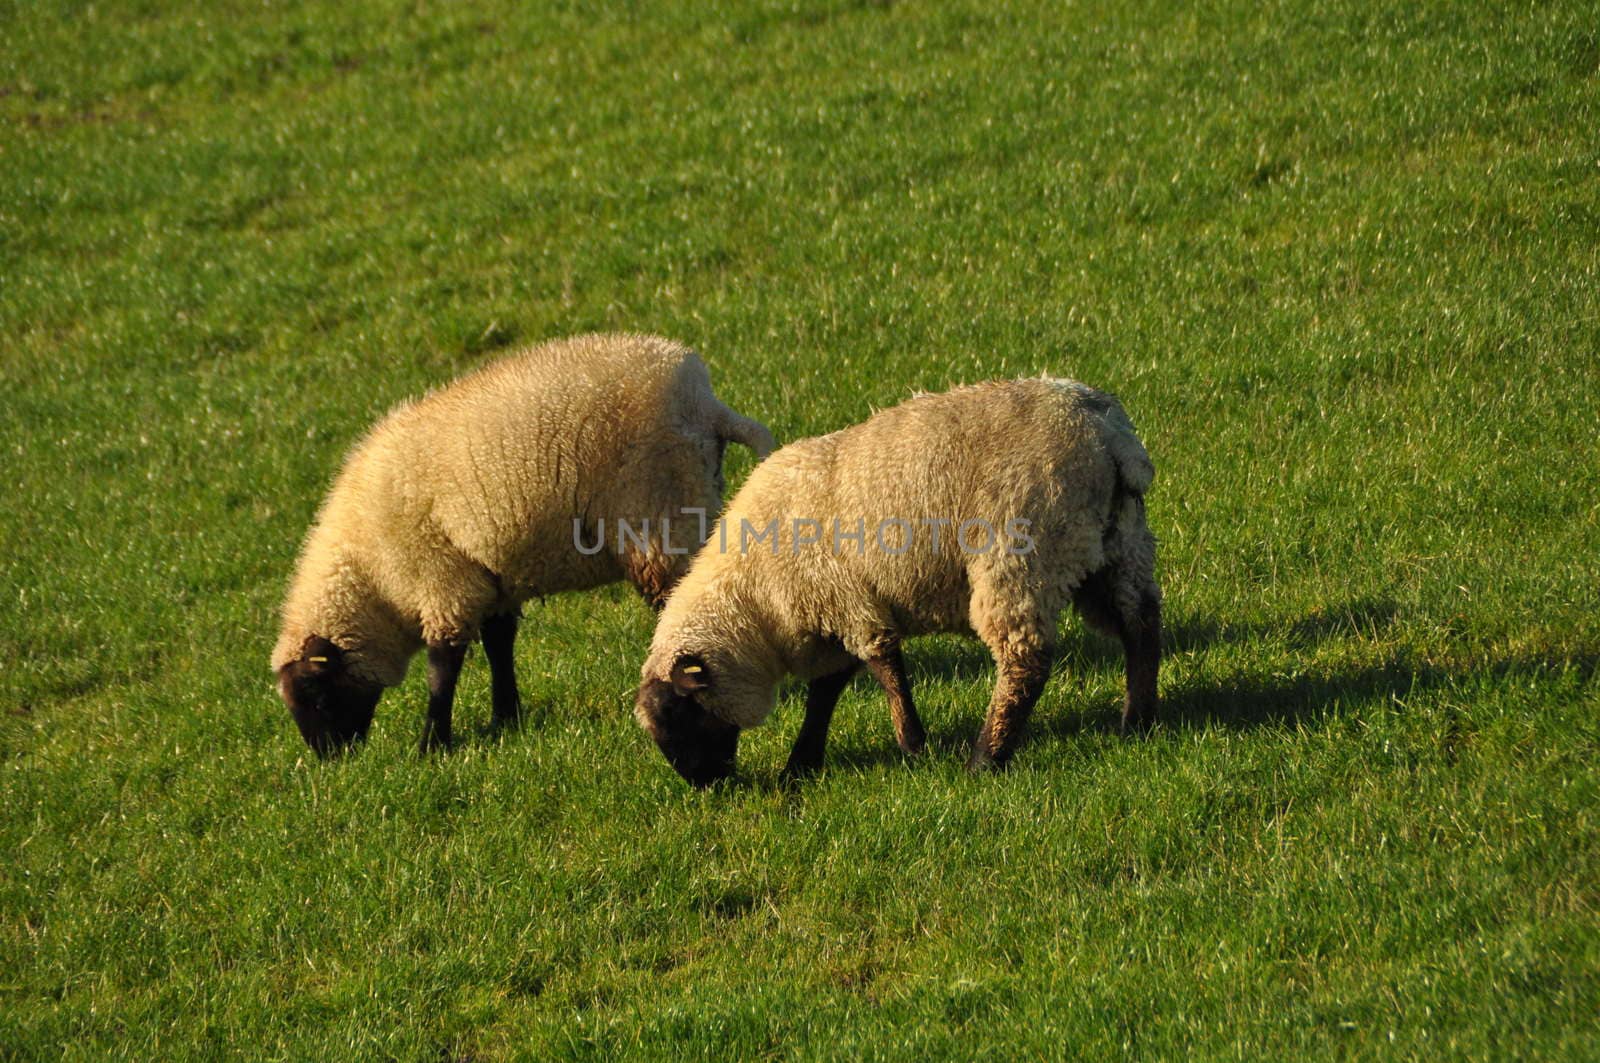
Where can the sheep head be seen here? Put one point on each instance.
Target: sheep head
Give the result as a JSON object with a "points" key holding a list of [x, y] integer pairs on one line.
{"points": [[699, 746], [332, 706]]}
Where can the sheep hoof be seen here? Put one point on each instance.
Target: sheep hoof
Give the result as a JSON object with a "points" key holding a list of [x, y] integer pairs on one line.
{"points": [[433, 742], [796, 770], [1135, 726], [913, 744], [504, 721], [982, 762]]}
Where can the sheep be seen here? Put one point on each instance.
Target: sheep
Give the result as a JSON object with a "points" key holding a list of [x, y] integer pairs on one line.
{"points": [[982, 510], [460, 506]]}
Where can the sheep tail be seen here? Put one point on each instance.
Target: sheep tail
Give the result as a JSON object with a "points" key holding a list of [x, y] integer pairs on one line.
{"points": [[1135, 470], [737, 428]]}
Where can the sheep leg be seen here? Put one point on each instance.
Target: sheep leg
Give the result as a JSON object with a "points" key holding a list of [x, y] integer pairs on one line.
{"points": [[1021, 679], [889, 669], [822, 694], [444, 668], [1139, 630], [1141, 648], [499, 634], [653, 575]]}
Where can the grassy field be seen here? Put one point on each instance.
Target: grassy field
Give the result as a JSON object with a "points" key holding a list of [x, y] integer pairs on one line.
{"points": [[1341, 261]]}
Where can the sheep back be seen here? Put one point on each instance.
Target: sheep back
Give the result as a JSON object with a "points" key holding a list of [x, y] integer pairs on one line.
{"points": [[464, 500], [1055, 453]]}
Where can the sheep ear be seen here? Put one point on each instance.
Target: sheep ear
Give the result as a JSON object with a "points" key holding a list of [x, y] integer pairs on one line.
{"points": [[689, 675], [320, 654]]}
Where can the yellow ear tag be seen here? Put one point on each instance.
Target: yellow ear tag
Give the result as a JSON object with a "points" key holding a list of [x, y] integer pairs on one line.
{"points": [[693, 669], [317, 660]]}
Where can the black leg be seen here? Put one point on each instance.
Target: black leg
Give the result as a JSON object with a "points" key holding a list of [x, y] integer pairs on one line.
{"points": [[1020, 681], [1096, 601], [1141, 648], [1140, 634], [499, 635], [821, 696], [444, 668], [889, 669]]}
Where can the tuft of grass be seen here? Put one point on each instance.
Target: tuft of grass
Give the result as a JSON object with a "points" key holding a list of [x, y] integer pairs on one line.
{"points": [[1338, 261]]}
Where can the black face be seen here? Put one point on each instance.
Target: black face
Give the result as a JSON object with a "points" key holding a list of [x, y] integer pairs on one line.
{"points": [[698, 745], [331, 707]]}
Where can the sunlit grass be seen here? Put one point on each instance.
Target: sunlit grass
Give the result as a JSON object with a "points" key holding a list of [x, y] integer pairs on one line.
{"points": [[1339, 263]]}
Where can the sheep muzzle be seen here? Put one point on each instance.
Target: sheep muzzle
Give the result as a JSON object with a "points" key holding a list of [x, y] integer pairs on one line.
{"points": [[699, 746], [332, 708]]}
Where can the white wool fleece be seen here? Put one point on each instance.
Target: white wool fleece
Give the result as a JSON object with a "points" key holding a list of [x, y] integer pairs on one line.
{"points": [[1055, 454], [461, 504]]}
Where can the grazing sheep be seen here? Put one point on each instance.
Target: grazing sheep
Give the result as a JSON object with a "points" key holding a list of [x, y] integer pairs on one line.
{"points": [[460, 506], [984, 510]]}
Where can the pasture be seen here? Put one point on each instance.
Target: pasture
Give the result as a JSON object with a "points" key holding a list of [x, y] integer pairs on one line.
{"points": [[1340, 261]]}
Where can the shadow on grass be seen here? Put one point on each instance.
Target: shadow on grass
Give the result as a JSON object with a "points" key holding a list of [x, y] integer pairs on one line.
{"points": [[966, 658], [1268, 701], [1278, 699]]}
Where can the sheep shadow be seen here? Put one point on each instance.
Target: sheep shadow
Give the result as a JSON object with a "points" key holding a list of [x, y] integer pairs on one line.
{"points": [[955, 658], [1298, 698], [1242, 704], [1366, 617]]}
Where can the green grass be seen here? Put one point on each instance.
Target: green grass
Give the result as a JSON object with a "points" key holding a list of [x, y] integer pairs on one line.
{"points": [[1339, 261]]}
